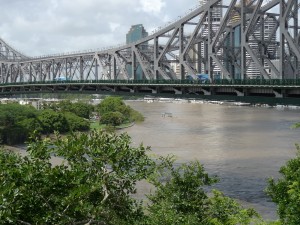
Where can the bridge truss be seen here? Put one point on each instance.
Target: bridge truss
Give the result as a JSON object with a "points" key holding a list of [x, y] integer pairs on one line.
{"points": [[187, 46]]}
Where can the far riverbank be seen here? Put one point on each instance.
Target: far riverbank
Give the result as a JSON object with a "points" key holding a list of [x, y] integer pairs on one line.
{"points": [[151, 99]]}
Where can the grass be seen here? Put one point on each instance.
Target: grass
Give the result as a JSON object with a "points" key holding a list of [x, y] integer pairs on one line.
{"points": [[96, 125]]}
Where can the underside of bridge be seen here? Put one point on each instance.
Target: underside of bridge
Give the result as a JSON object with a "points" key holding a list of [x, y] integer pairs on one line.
{"points": [[255, 39]]}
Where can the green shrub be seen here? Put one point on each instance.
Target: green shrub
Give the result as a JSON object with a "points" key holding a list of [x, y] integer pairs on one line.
{"points": [[53, 121], [112, 118], [76, 123]]}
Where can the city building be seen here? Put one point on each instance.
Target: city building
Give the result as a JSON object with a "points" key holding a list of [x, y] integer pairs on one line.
{"points": [[136, 33], [217, 15], [269, 25], [233, 44]]}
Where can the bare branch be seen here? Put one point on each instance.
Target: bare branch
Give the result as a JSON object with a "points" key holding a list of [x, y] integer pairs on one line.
{"points": [[105, 192], [23, 222], [89, 222]]}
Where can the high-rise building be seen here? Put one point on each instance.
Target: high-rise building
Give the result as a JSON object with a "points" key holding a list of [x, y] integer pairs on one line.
{"points": [[233, 47], [216, 18], [269, 25], [136, 33]]}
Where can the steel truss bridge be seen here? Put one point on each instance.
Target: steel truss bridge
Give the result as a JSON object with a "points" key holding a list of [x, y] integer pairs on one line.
{"points": [[191, 43]]}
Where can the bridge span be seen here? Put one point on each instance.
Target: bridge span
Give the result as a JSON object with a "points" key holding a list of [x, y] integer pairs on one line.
{"points": [[240, 42], [267, 88]]}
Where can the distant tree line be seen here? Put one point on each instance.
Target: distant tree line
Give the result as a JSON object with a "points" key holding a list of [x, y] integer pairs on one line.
{"points": [[17, 121], [81, 109]]}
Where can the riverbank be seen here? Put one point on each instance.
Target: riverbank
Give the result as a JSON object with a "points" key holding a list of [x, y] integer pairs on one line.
{"points": [[12, 148], [151, 99], [96, 125]]}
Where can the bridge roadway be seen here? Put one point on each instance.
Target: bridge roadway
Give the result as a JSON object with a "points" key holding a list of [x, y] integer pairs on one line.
{"points": [[269, 88]]}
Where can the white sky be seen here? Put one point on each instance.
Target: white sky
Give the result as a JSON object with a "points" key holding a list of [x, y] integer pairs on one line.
{"points": [[38, 27]]}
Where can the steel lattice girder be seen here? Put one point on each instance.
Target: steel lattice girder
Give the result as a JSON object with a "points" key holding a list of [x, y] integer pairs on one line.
{"points": [[191, 43], [7, 53], [289, 43]]}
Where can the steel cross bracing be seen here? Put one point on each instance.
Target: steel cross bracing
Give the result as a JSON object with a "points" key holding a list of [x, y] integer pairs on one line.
{"points": [[189, 46]]}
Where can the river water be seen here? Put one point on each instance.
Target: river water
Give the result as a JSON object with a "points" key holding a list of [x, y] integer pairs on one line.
{"points": [[243, 146]]}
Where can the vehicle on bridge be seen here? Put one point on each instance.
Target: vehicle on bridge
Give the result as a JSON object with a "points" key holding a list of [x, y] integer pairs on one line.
{"points": [[201, 78], [62, 79]]}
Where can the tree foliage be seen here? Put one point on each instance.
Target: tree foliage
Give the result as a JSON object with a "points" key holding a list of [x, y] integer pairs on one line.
{"points": [[110, 104], [53, 121], [112, 118], [112, 109], [285, 192], [76, 123], [15, 122], [95, 183], [80, 109], [12, 113], [181, 199], [31, 124]]}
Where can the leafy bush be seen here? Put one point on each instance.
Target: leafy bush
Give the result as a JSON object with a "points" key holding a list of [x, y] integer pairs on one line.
{"points": [[53, 121], [136, 116], [16, 122], [13, 135], [95, 186], [112, 118], [12, 113], [115, 104], [76, 123], [80, 109], [31, 125], [111, 104], [96, 181], [285, 192], [182, 199]]}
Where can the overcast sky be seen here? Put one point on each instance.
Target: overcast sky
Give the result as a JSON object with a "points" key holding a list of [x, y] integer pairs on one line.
{"points": [[38, 27]]}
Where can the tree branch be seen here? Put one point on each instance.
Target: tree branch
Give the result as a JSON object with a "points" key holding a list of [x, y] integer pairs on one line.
{"points": [[105, 193], [89, 222], [104, 187], [23, 222]]}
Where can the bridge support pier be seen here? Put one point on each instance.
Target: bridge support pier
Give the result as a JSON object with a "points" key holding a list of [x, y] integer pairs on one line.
{"points": [[154, 91], [278, 93], [177, 92], [239, 93], [206, 92]]}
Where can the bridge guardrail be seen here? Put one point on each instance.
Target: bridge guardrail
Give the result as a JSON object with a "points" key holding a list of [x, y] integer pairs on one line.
{"points": [[255, 82]]}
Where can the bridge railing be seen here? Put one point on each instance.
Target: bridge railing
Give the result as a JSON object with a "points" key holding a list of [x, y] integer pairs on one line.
{"points": [[254, 82], [280, 82]]}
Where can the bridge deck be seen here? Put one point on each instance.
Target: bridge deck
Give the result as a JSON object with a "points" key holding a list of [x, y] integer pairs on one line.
{"points": [[270, 88]]}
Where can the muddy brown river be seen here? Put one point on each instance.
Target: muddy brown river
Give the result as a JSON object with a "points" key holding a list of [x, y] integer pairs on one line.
{"points": [[242, 145]]}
